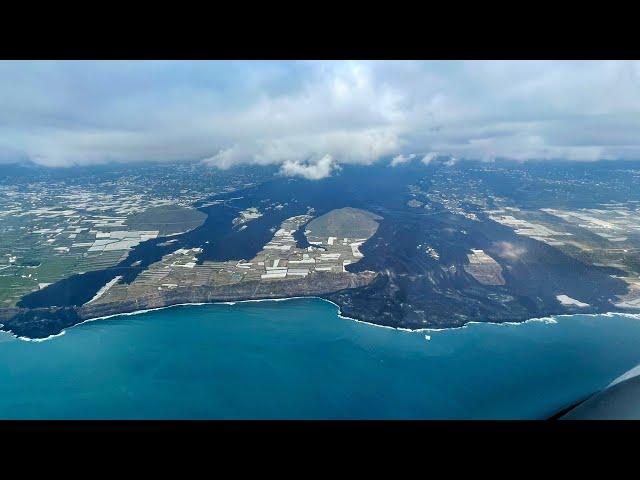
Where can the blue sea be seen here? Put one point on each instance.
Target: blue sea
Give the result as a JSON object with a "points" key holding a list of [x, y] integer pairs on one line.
{"points": [[297, 359]]}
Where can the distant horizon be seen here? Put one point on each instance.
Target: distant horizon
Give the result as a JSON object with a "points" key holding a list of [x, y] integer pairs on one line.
{"points": [[308, 118], [384, 162]]}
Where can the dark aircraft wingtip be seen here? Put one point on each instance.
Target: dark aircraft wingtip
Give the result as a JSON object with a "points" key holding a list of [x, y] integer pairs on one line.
{"points": [[619, 401]]}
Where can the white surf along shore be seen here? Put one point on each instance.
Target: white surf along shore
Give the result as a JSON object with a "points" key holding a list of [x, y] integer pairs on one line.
{"points": [[547, 320]]}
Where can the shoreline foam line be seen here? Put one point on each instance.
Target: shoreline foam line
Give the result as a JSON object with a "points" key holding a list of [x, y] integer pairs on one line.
{"points": [[105, 288], [547, 320], [38, 340]]}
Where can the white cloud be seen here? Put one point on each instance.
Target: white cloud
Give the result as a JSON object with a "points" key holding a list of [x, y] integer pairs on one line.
{"points": [[317, 170], [402, 159], [451, 161], [429, 157], [228, 157], [280, 113], [509, 250]]}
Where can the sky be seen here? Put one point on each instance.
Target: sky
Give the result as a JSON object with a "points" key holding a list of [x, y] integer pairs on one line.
{"points": [[310, 117]]}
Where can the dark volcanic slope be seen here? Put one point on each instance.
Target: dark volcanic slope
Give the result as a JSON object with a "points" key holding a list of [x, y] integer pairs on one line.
{"points": [[219, 240], [417, 291], [412, 289]]}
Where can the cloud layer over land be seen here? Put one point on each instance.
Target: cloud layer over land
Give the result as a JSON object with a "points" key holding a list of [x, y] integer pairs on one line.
{"points": [[310, 117]]}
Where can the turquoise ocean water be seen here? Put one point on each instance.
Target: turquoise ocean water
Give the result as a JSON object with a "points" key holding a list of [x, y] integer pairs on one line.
{"points": [[298, 359]]}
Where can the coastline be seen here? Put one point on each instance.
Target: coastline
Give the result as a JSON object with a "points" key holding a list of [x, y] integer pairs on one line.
{"points": [[38, 340], [550, 320]]}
